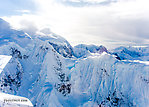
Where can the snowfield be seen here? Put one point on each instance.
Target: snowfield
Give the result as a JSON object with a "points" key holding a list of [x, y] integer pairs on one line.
{"points": [[48, 71], [3, 61]]}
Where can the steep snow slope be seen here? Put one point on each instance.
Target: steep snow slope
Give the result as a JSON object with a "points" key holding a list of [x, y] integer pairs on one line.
{"points": [[108, 81], [3, 61], [60, 44], [48, 71]]}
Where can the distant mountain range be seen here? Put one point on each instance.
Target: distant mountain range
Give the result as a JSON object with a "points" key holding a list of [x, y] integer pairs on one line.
{"points": [[48, 71]]}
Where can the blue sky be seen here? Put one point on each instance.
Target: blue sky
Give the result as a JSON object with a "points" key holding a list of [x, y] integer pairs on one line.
{"points": [[106, 22], [15, 7]]}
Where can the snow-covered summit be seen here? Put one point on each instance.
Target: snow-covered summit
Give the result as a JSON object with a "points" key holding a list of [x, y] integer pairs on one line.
{"points": [[83, 50], [60, 44], [7, 35]]}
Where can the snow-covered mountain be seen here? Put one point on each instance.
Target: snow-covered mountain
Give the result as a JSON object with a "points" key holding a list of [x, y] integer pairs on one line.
{"points": [[83, 50], [132, 53], [50, 72]]}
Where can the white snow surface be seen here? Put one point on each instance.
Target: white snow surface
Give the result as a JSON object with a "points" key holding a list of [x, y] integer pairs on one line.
{"points": [[3, 61], [50, 73], [7, 100]]}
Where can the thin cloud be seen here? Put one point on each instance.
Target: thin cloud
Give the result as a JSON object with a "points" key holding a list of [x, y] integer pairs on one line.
{"points": [[123, 21], [23, 11]]}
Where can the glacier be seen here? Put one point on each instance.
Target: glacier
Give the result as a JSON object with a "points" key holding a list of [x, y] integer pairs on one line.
{"points": [[48, 71]]}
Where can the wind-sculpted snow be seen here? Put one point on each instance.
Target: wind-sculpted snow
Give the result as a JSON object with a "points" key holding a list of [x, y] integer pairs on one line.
{"points": [[46, 69]]}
